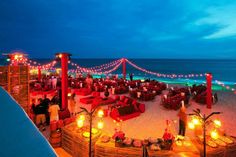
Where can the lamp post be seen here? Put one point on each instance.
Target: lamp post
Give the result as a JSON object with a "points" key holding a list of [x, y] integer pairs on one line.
{"points": [[90, 114], [205, 120]]}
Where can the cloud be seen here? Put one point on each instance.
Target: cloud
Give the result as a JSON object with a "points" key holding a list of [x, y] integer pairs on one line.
{"points": [[223, 17]]}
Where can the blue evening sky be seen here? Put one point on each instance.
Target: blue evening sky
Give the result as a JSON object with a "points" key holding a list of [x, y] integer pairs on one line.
{"points": [[120, 28]]}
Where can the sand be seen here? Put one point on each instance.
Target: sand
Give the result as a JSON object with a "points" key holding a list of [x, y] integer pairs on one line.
{"points": [[152, 122]]}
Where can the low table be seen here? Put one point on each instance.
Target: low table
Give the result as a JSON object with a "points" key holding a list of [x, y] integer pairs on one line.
{"points": [[75, 143], [109, 150], [227, 151]]}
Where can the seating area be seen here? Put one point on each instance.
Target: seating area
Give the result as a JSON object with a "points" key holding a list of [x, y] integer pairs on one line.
{"points": [[147, 91], [95, 99], [174, 98], [200, 94], [102, 101], [83, 91], [142, 95], [121, 89], [126, 108]]}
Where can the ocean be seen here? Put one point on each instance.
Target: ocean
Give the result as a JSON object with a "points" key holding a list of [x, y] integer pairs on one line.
{"points": [[222, 70]]}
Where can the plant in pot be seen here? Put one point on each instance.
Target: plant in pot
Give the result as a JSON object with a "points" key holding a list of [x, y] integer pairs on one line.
{"points": [[119, 137], [168, 140]]}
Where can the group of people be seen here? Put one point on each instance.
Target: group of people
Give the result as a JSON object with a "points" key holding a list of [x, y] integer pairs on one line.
{"points": [[46, 83], [43, 111]]}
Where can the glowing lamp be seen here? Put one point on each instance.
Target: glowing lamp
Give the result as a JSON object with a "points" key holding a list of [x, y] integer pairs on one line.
{"points": [[80, 123], [69, 94], [100, 125], [191, 125], [217, 123], [214, 134], [94, 131], [195, 121], [86, 134], [60, 55], [82, 117], [100, 113], [16, 57]]}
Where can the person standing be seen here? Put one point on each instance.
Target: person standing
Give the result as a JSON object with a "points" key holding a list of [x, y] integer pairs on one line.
{"points": [[40, 111], [32, 109], [72, 105], [54, 111], [46, 102], [54, 82], [131, 76], [182, 120]]}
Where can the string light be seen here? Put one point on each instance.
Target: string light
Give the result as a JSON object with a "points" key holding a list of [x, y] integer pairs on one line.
{"points": [[102, 69], [164, 75], [222, 84]]}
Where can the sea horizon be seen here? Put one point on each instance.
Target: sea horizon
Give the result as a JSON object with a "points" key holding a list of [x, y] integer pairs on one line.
{"points": [[222, 69]]}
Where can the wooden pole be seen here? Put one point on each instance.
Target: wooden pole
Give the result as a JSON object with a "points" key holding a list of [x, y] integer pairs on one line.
{"points": [[90, 133], [209, 90], [64, 79], [39, 73], [124, 68], [204, 135]]}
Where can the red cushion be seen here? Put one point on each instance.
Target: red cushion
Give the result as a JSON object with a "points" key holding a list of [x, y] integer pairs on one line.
{"points": [[121, 103], [126, 100], [117, 97], [64, 114], [105, 112], [114, 113], [136, 107], [87, 100], [142, 108], [53, 125], [122, 98], [96, 94], [126, 117], [60, 124], [67, 121], [134, 102]]}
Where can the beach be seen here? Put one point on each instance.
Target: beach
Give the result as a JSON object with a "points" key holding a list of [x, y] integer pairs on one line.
{"points": [[152, 122]]}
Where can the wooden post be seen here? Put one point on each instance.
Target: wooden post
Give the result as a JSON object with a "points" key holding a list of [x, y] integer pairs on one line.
{"points": [[209, 90], [124, 68], [64, 79], [204, 135], [39, 73], [90, 133]]}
